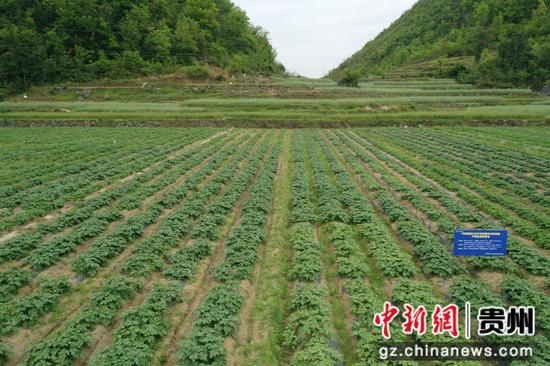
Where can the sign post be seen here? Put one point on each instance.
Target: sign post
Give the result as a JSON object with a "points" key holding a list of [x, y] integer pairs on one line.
{"points": [[480, 243]]}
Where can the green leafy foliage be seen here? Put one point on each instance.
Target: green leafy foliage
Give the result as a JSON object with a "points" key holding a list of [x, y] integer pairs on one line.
{"points": [[66, 344], [5, 352], [389, 255], [302, 199], [507, 39], [328, 195], [27, 310], [308, 327], [350, 79], [146, 258], [218, 315], [436, 258], [59, 40], [307, 253], [51, 252], [350, 264], [11, 281], [523, 293], [364, 304], [216, 318], [140, 329], [466, 289]]}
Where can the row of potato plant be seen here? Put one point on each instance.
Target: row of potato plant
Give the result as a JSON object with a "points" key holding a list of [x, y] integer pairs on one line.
{"points": [[54, 195], [529, 258], [436, 258], [148, 256], [308, 334], [65, 345], [19, 246], [140, 329], [112, 244], [531, 223], [218, 315]]}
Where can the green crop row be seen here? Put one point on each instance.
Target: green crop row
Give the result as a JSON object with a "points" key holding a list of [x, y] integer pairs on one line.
{"points": [[54, 195], [307, 253], [140, 329], [65, 345], [19, 246], [529, 258], [218, 315], [436, 258], [11, 281], [148, 256], [348, 261], [183, 262], [308, 328], [303, 209], [26, 310], [107, 247], [328, 195]]}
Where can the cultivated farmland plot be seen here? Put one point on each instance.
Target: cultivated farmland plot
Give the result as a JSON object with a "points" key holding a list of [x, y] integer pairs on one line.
{"points": [[208, 246], [281, 102]]}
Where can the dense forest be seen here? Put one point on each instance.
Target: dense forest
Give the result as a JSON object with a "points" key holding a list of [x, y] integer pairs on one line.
{"points": [[45, 41], [509, 41]]}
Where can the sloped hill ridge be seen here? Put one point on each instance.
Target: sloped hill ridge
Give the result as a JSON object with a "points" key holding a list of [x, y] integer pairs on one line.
{"points": [[60, 40], [508, 40]]}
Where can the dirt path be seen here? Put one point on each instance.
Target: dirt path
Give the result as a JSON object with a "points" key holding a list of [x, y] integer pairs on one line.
{"points": [[248, 333], [264, 306]]}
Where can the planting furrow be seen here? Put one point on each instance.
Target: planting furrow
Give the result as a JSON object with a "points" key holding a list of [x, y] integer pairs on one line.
{"points": [[71, 214], [217, 316], [150, 255], [434, 255], [46, 254], [169, 229], [490, 187], [262, 316], [54, 196], [308, 336], [535, 261], [102, 250], [225, 153]]}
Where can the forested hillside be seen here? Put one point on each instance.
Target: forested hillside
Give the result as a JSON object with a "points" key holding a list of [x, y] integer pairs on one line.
{"points": [[80, 40], [507, 40]]}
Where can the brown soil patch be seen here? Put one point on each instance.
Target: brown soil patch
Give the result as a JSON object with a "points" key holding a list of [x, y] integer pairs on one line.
{"points": [[493, 279], [8, 236], [442, 285]]}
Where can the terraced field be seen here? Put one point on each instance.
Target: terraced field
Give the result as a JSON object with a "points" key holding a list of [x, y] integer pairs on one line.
{"points": [[208, 246], [289, 102]]}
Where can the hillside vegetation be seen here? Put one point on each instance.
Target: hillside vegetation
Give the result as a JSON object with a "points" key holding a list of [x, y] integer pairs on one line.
{"points": [[66, 40], [489, 42]]}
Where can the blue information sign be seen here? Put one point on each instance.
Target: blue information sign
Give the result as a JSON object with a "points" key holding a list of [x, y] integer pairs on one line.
{"points": [[480, 243]]}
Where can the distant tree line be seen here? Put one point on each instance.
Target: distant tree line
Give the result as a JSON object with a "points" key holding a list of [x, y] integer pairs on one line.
{"points": [[509, 39], [45, 41]]}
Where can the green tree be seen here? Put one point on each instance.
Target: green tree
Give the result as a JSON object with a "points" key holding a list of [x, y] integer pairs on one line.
{"points": [[157, 43], [21, 57], [55, 40]]}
